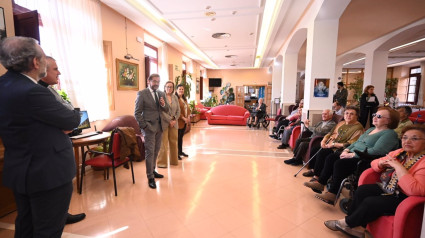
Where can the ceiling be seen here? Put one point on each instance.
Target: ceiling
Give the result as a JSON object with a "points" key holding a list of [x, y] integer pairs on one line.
{"points": [[361, 22]]}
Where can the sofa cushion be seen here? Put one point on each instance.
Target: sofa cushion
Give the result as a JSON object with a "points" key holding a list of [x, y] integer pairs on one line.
{"points": [[218, 117], [235, 118], [227, 110]]}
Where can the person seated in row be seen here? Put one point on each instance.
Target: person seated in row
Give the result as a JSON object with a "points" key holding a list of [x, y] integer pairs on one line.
{"points": [[320, 129], [286, 120], [402, 175], [339, 110], [288, 130], [341, 136], [405, 112], [378, 140], [258, 112]]}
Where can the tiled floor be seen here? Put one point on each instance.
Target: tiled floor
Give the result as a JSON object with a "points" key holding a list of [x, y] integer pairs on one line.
{"points": [[234, 184]]}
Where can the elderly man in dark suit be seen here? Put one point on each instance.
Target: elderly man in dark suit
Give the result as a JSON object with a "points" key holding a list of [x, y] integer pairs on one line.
{"points": [[149, 105], [52, 78], [39, 162]]}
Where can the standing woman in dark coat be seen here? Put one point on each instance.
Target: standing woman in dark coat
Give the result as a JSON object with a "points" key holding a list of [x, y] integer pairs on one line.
{"points": [[368, 105], [184, 119]]}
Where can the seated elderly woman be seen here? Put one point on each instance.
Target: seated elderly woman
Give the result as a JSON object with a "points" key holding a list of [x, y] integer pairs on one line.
{"points": [[402, 175], [258, 112], [288, 130], [378, 140]]}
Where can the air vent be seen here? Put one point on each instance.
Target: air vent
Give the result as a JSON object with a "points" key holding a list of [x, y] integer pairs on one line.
{"points": [[230, 56], [221, 35]]}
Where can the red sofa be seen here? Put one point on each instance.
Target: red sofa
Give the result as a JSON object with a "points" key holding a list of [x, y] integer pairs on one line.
{"points": [[202, 110], [227, 115]]}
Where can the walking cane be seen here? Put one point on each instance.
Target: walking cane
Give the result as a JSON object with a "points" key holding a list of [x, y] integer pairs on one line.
{"points": [[307, 162]]}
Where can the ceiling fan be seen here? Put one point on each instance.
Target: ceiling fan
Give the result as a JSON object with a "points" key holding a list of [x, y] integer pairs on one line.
{"points": [[127, 56]]}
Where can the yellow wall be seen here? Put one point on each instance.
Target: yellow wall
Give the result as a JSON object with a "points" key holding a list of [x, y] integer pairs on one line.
{"points": [[10, 29], [238, 77]]}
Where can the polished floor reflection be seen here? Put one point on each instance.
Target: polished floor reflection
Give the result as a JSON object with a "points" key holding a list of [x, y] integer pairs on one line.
{"points": [[234, 184]]}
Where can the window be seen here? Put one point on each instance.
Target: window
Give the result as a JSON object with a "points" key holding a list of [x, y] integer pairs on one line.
{"points": [[413, 85], [151, 60]]}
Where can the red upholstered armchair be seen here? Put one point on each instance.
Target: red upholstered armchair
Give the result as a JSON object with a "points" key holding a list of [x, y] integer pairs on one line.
{"points": [[407, 221], [418, 117], [128, 121], [107, 160], [202, 110]]}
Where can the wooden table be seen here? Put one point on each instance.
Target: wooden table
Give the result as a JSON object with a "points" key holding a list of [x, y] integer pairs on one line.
{"points": [[81, 143]]}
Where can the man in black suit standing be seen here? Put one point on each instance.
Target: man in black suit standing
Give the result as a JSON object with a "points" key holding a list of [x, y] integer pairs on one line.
{"points": [[39, 163], [149, 104], [52, 78]]}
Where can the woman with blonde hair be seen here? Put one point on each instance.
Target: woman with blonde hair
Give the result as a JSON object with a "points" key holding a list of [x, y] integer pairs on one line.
{"points": [[169, 128]]}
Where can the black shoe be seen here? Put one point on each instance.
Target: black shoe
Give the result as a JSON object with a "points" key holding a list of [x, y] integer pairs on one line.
{"points": [[290, 161], [157, 175], [151, 183], [297, 162], [282, 146], [180, 158], [184, 154], [71, 219], [126, 166], [273, 136], [249, 125]]}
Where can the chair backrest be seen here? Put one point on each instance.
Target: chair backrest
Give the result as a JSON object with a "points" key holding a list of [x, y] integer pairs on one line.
{"points": [[291, 108], [337, 118], [115, 144], [123, 121]]}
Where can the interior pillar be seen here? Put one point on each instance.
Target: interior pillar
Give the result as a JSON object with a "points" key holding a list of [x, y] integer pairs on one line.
{"points": [[375, 72]]}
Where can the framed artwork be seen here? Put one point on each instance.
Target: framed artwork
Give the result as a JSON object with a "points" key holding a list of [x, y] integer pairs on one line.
{"points": [[2, 24], [127, 75], [197, 86], [321, 88]]}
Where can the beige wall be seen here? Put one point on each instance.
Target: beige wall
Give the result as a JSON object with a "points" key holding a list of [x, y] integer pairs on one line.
{"points": [[10, 29], [237, 77]]}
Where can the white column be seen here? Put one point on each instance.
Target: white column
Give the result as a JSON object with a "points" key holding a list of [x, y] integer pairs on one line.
{"points": [[289, 81], [421, 96], [320, 61], [375, 72], [276, 82]]}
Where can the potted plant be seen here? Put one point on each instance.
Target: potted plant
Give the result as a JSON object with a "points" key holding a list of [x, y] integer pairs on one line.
{"points": [[195, 113], [210, 101], [185, 80]]}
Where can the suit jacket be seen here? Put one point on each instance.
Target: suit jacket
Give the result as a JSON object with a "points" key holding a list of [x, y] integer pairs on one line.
{"points": [[146, 112], [38, 154], [173, 112]]}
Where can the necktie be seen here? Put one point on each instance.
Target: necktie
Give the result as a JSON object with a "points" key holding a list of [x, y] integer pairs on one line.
{"points": [[156, 98]]}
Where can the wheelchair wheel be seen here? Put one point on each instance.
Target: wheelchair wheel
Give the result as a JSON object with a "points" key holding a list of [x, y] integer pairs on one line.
{"points": [[344, 204], [265, 122]]}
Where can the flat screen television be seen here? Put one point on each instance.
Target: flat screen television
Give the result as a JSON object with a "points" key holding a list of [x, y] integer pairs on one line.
{"points": [[84, 121], [214, 82]]}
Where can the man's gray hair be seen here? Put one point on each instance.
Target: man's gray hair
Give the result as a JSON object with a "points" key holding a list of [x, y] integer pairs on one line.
{"points": [[17, 53], [330, 111]]}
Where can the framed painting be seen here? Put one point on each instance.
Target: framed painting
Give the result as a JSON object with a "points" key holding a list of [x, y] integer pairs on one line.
{"points": [[321, 88], [127, 75], [2, 24], [197, 85]]}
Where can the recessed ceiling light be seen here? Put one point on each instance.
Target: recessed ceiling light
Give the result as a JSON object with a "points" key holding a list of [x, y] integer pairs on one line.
{"points": [[213, 19], [230, 56], [208, 7], [234, 12], [252, 33], [210, 14], [233, 65], [221, 35]]}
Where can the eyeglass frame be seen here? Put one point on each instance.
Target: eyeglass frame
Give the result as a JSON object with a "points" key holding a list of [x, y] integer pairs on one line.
{"points": [[379, 116]]}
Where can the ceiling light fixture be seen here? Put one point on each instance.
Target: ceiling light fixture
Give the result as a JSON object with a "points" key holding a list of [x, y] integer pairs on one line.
{"points": [[271, 11], [354, 61], [221, 35], [127, 56], [210, 14], [406, 45], [146, 8]]}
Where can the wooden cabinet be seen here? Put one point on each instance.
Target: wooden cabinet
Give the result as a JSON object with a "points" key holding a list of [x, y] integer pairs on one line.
{"points": [[7, 200]]}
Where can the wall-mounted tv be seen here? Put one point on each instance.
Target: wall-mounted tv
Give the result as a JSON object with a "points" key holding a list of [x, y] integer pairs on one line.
{"points": [[214, 82]]}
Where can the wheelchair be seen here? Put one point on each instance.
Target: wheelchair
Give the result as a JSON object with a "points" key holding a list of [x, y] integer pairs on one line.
{"points": [[262, 119], [351, 182]]}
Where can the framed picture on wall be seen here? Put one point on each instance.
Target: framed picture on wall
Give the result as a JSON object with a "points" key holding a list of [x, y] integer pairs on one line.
{"points": [[127, 75], [2, 24], [197, 85], [321, 88]]}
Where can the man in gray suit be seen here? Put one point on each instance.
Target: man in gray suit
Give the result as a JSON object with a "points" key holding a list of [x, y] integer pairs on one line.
{"points": [[149, 104]]}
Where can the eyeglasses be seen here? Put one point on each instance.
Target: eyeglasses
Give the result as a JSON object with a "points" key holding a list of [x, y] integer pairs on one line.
{"points": [[414, 139], [378, 116]]}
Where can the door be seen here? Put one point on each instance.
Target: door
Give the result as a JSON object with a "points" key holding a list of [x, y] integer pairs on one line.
{"points": [[268, 98], [240, 99], [26, 24]]}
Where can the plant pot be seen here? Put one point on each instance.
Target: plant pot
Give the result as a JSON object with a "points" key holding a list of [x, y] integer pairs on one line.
{"points": [[195, 118]]}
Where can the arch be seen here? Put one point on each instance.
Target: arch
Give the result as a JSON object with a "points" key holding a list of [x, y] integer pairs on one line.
{"points": [[296, 41], [349, 57], [405, 36]]}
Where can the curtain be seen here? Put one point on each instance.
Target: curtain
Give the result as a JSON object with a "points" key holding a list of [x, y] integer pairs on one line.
{"points": [[72, 34]]}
